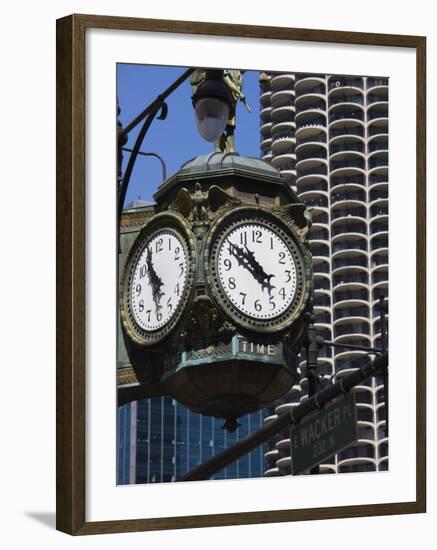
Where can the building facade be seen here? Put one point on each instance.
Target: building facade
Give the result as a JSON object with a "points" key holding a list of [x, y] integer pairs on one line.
{"points": [[328, 136], [160, 440]]}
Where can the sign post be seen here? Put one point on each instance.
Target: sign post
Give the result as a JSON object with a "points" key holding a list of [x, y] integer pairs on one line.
{"points": [[323, 434]]}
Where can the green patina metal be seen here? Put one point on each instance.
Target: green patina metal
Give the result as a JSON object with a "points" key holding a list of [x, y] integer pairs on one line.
{"points": [[214, 359]]}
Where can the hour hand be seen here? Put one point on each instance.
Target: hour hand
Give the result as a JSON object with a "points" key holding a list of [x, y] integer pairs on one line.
{"points": [[155, 281], [246, 258]]}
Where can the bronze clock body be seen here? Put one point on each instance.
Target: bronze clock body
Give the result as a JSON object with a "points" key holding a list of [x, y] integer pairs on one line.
{"points": [[223, 341]]}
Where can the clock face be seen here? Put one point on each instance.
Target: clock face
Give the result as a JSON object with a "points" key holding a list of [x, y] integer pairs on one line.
{"points": [[158, 281], [257, 270]]}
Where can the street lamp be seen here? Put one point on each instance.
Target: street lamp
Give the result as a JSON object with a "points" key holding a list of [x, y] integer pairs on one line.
{"points": [[212, 103]]}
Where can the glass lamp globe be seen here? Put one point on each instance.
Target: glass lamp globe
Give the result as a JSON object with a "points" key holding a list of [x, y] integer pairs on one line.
{"points": [[211, 117]]}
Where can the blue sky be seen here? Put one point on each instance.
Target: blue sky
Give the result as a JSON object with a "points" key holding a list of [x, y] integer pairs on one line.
{"points": [[175, 138]]}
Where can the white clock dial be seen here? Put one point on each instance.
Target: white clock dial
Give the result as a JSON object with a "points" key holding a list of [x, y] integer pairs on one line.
{"points": [[257, 271], [158, 281]]}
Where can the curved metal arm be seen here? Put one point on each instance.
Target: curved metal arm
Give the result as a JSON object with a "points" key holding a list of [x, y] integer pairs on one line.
{"points": [[149, 113], [161, 160]]}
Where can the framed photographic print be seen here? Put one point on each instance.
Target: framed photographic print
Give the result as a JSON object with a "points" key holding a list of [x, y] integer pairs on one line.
{"points": [[240, 274]]}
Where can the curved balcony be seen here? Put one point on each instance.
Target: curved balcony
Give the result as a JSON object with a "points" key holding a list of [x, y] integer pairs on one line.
{"points": [[379, 259], [378, 143], [350, 360], [266, 113], [307, 82], [343, 161], [378, 176], [266, 144], [345, 111], [308, 101], [344, 226], [271, 456], [283, 143], [319, 234], [282, 81], [377, 293], [349, 242], [264, 98], [350, 283], [377, 334], [348, 208], [283, 114], [380, 412], [266, 130], [366, 431], [319, 169], [305, 131], [311, 150], [286, 407], [324, 318], [320, 217], [349, 193], [316, 91], [378, 193], [308, 185], [322, 301], [310, 117], [383, 446], [352, 295], [360, 450], [349, 259], [377, 127], [290, 176], [378, 111], [319, 249], [350, 127], [348, 178], [343, 95], [347, 144], [379, 95], [380, 225], [272, 472], [267, 157], [287, 126], [285, 161], [376, 82], [314, 136], [321, 282], [357, 465], [317, 201], [380, 276], [341, 81], [377, 160], [356, 275], [361, 328], [321, 267], [282, 98], [350, 312], [379, 208], [347, 174]]}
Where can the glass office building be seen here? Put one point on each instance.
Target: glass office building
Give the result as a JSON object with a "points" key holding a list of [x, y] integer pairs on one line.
{"points": [[160, 440]]}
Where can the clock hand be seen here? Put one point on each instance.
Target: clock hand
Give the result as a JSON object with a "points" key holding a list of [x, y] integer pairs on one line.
{"points": [[155, 282], [247, 259]]}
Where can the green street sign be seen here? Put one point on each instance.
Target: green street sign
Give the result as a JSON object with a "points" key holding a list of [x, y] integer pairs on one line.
{"points": [[323, 434]]}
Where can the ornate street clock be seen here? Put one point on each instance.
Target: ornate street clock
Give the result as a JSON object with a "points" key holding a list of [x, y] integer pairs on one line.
{"points": [[256, 270], [158, 278], [215, 284]]}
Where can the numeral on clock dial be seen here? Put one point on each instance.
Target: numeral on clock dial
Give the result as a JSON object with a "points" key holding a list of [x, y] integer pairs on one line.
{"points": [[257, 270], [158, 280]]}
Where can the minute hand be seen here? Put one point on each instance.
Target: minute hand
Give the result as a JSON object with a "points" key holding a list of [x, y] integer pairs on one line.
{"points": [[247, 259]]}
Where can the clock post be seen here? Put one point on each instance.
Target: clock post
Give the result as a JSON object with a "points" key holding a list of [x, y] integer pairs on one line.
{"points": [[215, 288]]}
